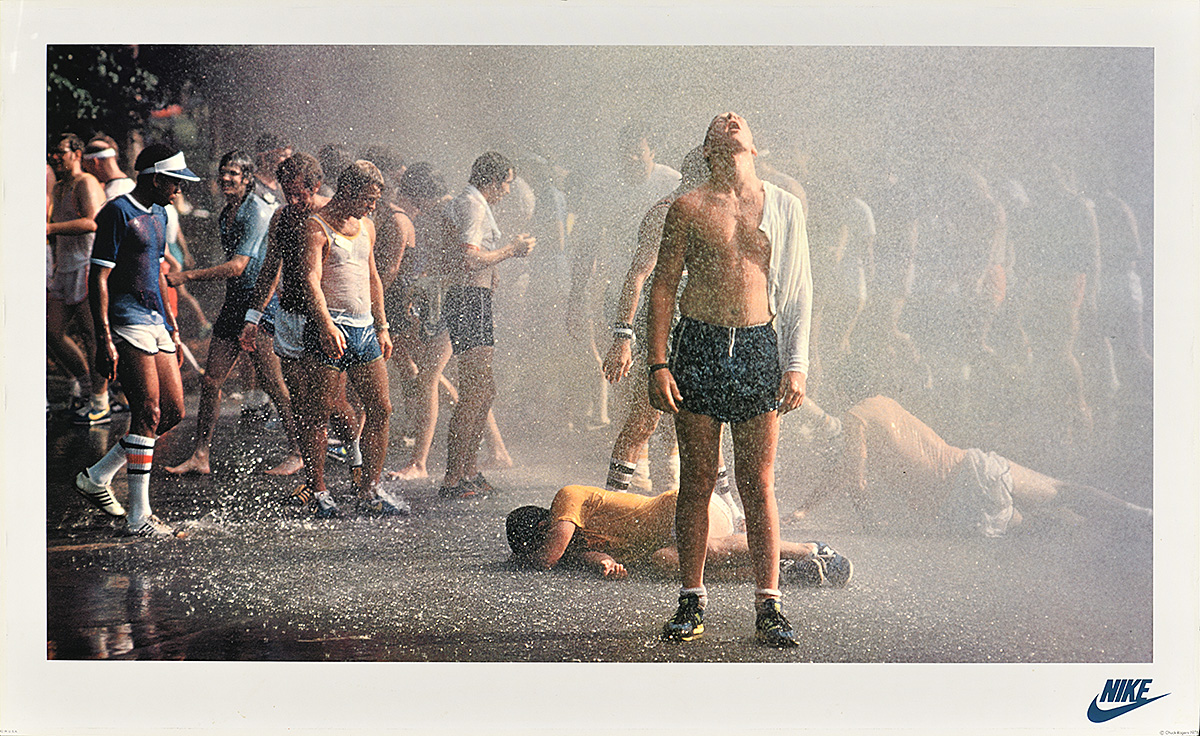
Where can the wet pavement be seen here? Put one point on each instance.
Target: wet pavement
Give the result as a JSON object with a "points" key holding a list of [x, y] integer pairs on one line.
{"points": [[258, 580]]}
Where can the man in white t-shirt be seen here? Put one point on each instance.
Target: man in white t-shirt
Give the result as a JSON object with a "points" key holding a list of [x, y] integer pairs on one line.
{"points": [[473, 247]]}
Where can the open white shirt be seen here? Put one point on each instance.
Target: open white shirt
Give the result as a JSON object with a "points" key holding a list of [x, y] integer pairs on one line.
{"points": [[789, 280]]}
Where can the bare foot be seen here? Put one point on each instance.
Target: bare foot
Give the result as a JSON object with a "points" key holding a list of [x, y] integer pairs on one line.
{"points": [[195, 464], [408, 472], [291, 464], [497, 460]]}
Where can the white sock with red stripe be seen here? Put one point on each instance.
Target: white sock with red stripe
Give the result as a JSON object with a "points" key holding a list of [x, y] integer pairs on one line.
{"points": [[139, 457]]}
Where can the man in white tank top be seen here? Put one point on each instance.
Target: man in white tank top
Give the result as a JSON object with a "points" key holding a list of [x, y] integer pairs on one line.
{"points": [[347, 334], [76, 198]]}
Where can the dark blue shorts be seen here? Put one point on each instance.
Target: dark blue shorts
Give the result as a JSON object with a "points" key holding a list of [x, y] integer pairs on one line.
{"points": [[731, 374], [232, 318], [362, 346], [467, 311]]}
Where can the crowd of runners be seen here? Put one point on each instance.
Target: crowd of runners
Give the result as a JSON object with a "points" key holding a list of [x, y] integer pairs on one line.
{"points": [[714, 300]]}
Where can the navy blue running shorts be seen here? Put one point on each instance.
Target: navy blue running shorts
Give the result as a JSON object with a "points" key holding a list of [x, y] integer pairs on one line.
{"points": [[467, 311], [731, 374]]}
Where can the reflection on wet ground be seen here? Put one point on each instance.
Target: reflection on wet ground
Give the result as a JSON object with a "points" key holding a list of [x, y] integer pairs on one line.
{"points": [[257, 580]]}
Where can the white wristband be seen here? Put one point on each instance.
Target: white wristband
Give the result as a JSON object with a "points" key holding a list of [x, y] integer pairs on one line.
{"points": [[253, 316]]}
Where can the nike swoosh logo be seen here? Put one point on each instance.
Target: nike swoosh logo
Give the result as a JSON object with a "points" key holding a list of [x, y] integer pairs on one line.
{"points": [[1096, 714]]}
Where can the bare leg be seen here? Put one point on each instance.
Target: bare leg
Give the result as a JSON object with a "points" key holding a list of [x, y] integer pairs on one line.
{"points": [[663, 451], [221, 356], [140, 376], [65, 350], [699, 443], [371, 384], [640, 423], [1032, 490], [477, 389], [498, 456], [347, 421], [754, 443], [431, 359], [186, 297], [154, 389], [271, 375], [599, 385], [313, 421], [295, 376], [62, 348], [448, 388]]}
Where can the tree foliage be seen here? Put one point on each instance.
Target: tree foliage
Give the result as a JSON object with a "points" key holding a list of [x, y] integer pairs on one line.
{"points": [[93, 88]]}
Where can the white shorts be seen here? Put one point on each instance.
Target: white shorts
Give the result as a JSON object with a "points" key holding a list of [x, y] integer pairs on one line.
{"points": [[68, 287], [150, 339], [980, 500], [289, 334]]}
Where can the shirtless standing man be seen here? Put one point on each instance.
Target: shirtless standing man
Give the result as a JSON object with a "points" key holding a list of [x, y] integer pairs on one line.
{"points": [[746, 252], [347, 333], [77, 197]]}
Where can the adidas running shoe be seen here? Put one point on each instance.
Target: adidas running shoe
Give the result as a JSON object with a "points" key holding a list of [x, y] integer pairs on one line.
{"points": [[688, 622], [99, 496], [302, 496], [771, 627], [481, 485], [152, 527], [808, 573], [825, 566]]}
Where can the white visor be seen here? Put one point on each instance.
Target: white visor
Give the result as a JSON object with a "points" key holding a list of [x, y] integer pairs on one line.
{"points": [[174, 166]]}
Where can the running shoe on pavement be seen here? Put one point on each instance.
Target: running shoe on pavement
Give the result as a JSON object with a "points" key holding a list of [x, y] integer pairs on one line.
{"points": [[771, 627], [688, 622], [302, 496], [326, 507], [481, 484], [462, 489], [808, 573], [837, 568], [89, 417], [825, 566], [99, 496], [152, 527], [385, 503]]}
